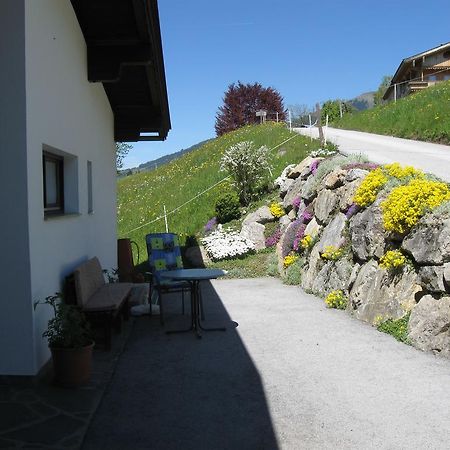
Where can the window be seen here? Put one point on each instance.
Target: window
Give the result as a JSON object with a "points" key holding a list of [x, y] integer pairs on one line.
{"points": [[89, 187], [432, 78], [53, 171]]}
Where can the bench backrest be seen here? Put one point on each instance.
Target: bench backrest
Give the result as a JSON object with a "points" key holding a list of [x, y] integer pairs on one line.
{"points": [[88, 279]]}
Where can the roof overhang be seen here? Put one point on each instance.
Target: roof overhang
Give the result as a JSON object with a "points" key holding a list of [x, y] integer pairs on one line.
{"points": [[124, 52]]}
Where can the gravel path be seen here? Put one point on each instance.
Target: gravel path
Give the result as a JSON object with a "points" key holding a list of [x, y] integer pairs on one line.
{"points": [[433, 158], [292, 375]]}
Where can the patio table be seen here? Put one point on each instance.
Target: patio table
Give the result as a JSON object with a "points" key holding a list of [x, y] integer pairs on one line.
{"points": [[194, 277]]}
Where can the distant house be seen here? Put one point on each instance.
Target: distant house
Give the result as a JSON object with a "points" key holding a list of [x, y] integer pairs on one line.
{"points": [[76, 76], [419, 72]]}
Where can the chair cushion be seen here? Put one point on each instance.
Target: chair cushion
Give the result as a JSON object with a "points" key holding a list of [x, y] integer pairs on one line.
{"points": [[109, 296], [88, 280]]}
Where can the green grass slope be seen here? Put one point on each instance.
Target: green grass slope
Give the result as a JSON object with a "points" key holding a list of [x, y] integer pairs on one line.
{"points": [[141, 197], [424, 116]]}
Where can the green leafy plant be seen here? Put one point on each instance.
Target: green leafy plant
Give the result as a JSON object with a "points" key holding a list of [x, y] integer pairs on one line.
{"points": [[336, 299], [69, 327], [292, 274], [397, 328], [227, 208]]}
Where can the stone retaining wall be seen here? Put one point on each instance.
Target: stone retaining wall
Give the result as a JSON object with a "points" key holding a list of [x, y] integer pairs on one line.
{"points": [[421, 287]]}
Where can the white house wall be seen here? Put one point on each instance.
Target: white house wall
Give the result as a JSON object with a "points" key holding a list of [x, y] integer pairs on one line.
{"points": [[71, 116], [16, 327]]}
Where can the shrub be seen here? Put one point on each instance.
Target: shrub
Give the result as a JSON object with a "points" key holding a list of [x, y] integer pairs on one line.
{"points": [[397, 328], [332, 253], [225, 245], [397, 171], [405, 205], [336, 299], [272, 265], [299, 235], [289, 260], [306, 242], [292, 275], [392, 259], [368, 190], [248, 166], [276, 210], [227, 208], [273, 238]]}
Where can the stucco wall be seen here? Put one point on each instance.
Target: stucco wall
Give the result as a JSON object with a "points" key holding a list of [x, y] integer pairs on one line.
{"points": [[16, 327], [73, 116]]}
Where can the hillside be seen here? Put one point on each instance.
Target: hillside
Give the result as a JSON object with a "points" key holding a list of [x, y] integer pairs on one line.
{"points": [[141, 197], [424, 116], [363, 101]]}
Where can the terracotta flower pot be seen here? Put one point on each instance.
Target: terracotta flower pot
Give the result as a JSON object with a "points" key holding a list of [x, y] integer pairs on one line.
{"points": [[72, 366]]}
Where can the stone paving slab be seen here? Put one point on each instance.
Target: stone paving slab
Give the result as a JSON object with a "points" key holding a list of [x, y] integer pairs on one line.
{"points": [[45, 416]]}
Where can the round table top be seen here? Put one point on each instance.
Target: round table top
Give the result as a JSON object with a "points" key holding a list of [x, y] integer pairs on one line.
{"points": [[193, 274]]}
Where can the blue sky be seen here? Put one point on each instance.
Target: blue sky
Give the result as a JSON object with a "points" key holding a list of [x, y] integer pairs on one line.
{"points": [[308, 51]]}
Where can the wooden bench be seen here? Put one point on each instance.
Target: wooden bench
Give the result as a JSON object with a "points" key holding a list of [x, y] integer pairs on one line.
{"points": [[105, 304]]}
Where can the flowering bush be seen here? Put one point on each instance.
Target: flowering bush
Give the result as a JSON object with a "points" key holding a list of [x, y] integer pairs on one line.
{"points": [[306, 215], [368, 190], [210, 225], [299, 235], [222, 245], [306, 242], [397, 171], [274, 238], [248, 166], [332, 253], [392, 259], [322, 152], [336, 299], [406, 204], [227, 207], [289, 260], [289, 237], [276, 210], [296, 202], [361, 165], [314, 166], [354, 208]]}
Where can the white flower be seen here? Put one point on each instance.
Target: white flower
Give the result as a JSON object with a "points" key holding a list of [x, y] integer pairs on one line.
{"points": [[221, 245]]}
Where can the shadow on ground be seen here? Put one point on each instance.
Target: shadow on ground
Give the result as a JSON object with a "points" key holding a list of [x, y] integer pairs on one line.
{"points": [[175, 391]]}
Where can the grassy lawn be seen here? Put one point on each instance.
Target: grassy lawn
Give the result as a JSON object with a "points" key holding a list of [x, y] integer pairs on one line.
{"points": [[141, 197], [423, 116]]}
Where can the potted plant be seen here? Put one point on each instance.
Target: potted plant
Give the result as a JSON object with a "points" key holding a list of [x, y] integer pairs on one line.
{"points": [[70, 342]]}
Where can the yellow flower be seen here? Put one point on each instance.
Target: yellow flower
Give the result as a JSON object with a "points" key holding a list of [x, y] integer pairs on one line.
{"points": [[332, 253], [289, 260], [276, 210], [392, 259], [306, 242], [336, 299], [368, 190]]}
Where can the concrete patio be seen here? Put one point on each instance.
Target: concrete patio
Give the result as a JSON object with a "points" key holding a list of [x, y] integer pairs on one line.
{"points": [[287, 374]]}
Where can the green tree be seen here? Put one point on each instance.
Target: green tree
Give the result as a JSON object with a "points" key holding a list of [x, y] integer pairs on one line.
{"points": [[378, 96], [332, 108], [122, 149]]}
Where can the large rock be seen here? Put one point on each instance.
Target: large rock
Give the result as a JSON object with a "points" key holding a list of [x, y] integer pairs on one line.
{"points": [[333, 275], [299, 168], [367, 233], [332, 233], [285, 186], [432, 278], [309, 189], [313, 228], [261, 215], [282, 178], [376, 295], [311, 269], [326, 203], [429, 325], [429, 241], [335, 178], [294, 191], [284, 222], [356, 174], [346, 194], [255, 232]]}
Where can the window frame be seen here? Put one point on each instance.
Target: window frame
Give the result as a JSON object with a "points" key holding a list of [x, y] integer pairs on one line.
{"points": [[57, 207]]}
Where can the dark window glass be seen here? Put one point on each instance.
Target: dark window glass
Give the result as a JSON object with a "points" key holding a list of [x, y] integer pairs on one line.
{"points": [[53, 167]]}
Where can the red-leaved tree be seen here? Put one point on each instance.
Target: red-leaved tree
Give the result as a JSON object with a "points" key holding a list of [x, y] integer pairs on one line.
{"points": [[240, 103]]}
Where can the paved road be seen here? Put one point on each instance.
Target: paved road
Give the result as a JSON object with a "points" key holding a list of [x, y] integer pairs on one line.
{"points": [[433, 158], [293, 375]]}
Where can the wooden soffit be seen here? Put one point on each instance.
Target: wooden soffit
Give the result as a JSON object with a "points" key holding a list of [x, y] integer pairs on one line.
{"points": [[124, 52]]}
